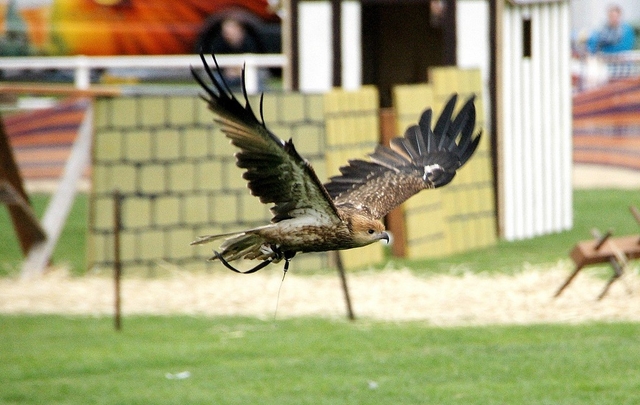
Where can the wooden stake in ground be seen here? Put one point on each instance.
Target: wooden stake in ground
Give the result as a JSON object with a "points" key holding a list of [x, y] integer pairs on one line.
{"points": [[117, 265], [602, 249], [12, 193], [345, 287]]}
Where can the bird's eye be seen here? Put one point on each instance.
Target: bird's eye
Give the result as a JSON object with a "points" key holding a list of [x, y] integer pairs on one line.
{"points": [[370, 231]]}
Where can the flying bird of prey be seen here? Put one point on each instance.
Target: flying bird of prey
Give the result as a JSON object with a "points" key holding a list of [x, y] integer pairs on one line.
{"points": [[344, 213]]}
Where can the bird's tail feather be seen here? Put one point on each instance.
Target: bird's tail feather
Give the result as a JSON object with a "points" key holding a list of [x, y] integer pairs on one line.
{"points": [[238, 245], [201, 240]]}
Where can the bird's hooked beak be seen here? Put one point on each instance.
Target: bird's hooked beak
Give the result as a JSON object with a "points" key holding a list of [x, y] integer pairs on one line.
{"points": [[385, 236]]}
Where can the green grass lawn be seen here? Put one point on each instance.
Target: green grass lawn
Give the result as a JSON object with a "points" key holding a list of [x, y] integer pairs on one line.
{"points": [[71, 246], [78, 360], [81, 360], [604, 209]]}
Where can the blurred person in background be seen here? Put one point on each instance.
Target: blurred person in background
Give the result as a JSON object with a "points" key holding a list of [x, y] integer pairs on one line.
{"points": [[615, 36], [234, 39]]}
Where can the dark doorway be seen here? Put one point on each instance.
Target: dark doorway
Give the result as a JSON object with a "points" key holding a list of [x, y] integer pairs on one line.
{"points": [[401, 39]]}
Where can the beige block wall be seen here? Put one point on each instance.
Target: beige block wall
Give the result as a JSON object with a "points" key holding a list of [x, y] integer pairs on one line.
{"points": [[178, 177], [461, 215], [472, 217], [424, 220], [352, 131]]}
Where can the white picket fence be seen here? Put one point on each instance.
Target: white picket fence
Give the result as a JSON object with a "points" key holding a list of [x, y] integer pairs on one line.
{"points": [[536, 151], [83, 65]]}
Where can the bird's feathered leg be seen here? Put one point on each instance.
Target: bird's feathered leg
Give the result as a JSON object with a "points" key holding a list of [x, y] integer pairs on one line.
{"points": [[287, 258], [260, 266]]}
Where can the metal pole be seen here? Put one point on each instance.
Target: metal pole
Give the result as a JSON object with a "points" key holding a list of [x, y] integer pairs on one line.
{"points": [[117, 265]]}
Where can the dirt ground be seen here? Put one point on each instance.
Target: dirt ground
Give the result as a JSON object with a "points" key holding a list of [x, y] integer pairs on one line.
{"points": [[390, 295], [598, 176]]}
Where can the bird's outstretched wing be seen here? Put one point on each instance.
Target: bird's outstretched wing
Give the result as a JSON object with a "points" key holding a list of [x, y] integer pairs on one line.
{"points": [[423, 158], [275, 172]]}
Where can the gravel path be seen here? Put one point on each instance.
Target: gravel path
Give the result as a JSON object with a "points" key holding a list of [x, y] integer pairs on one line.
{"points": [[391, 295]]}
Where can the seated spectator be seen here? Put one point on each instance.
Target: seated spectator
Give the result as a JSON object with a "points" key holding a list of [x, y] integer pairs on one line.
{"points": [[615, 36], [234, 39]]}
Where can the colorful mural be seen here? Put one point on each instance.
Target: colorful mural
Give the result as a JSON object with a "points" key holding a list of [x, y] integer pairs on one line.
{"points": [[128, 27]]}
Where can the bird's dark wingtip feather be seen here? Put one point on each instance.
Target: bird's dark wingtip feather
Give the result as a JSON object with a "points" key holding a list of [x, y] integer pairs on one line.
{"points": [[449, 145], [223, 101], [202, 84], [468, 152], [227, 89], [262, 109]]}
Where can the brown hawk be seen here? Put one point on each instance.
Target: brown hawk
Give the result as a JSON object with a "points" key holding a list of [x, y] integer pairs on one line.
{"points": [[344, 213]]}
